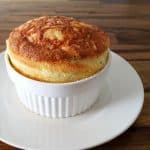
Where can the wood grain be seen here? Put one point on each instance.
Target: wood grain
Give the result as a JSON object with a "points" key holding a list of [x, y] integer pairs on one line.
{"points": [[128, 25]]}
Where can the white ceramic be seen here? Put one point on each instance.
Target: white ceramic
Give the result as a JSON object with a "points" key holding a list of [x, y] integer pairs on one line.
{"points": [[58, 100], [109, 117]]}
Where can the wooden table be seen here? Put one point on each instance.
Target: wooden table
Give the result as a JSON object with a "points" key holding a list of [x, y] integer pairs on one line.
{"points": [[128, 24]]}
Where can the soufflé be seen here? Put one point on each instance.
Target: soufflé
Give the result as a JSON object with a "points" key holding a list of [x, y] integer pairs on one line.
{"points": [[57, 49]]}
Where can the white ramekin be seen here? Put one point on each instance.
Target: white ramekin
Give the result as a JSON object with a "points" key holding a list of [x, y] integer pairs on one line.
{"points": [[58, 100]]}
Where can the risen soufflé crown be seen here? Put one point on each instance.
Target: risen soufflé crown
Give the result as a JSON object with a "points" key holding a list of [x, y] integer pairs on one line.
{"points": [[57, 49]]}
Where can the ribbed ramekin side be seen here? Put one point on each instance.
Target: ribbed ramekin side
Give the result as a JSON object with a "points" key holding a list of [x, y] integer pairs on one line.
{"points": [[53, 107]]}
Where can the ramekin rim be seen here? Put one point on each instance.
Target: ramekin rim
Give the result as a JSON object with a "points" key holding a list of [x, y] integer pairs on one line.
{"points": [[60, 84]]}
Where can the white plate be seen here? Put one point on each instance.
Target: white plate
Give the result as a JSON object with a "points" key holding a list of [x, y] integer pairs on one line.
{"points": [[109, 117]]}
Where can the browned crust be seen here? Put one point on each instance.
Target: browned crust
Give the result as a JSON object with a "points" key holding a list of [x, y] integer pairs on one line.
{"points": [[74, 39]]}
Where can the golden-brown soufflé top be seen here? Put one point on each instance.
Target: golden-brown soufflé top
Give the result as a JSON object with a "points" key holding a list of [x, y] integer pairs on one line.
{"points": [[57, 49], [57, 38]]}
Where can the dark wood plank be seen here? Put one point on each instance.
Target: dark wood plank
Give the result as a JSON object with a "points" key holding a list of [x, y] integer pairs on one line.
{"points": [[142, 67], [134, 138], [4, 146], [144, 120]]}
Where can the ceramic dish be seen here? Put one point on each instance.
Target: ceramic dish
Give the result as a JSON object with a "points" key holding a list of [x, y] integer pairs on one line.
{"points": [[58, 100], [113, 113]]}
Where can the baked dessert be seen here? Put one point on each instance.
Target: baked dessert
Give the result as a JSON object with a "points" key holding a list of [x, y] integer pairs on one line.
{"points": [[57, 49]]}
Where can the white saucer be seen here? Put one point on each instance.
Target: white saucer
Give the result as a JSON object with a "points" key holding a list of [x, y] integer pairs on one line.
{"points": [[109, 117]]}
